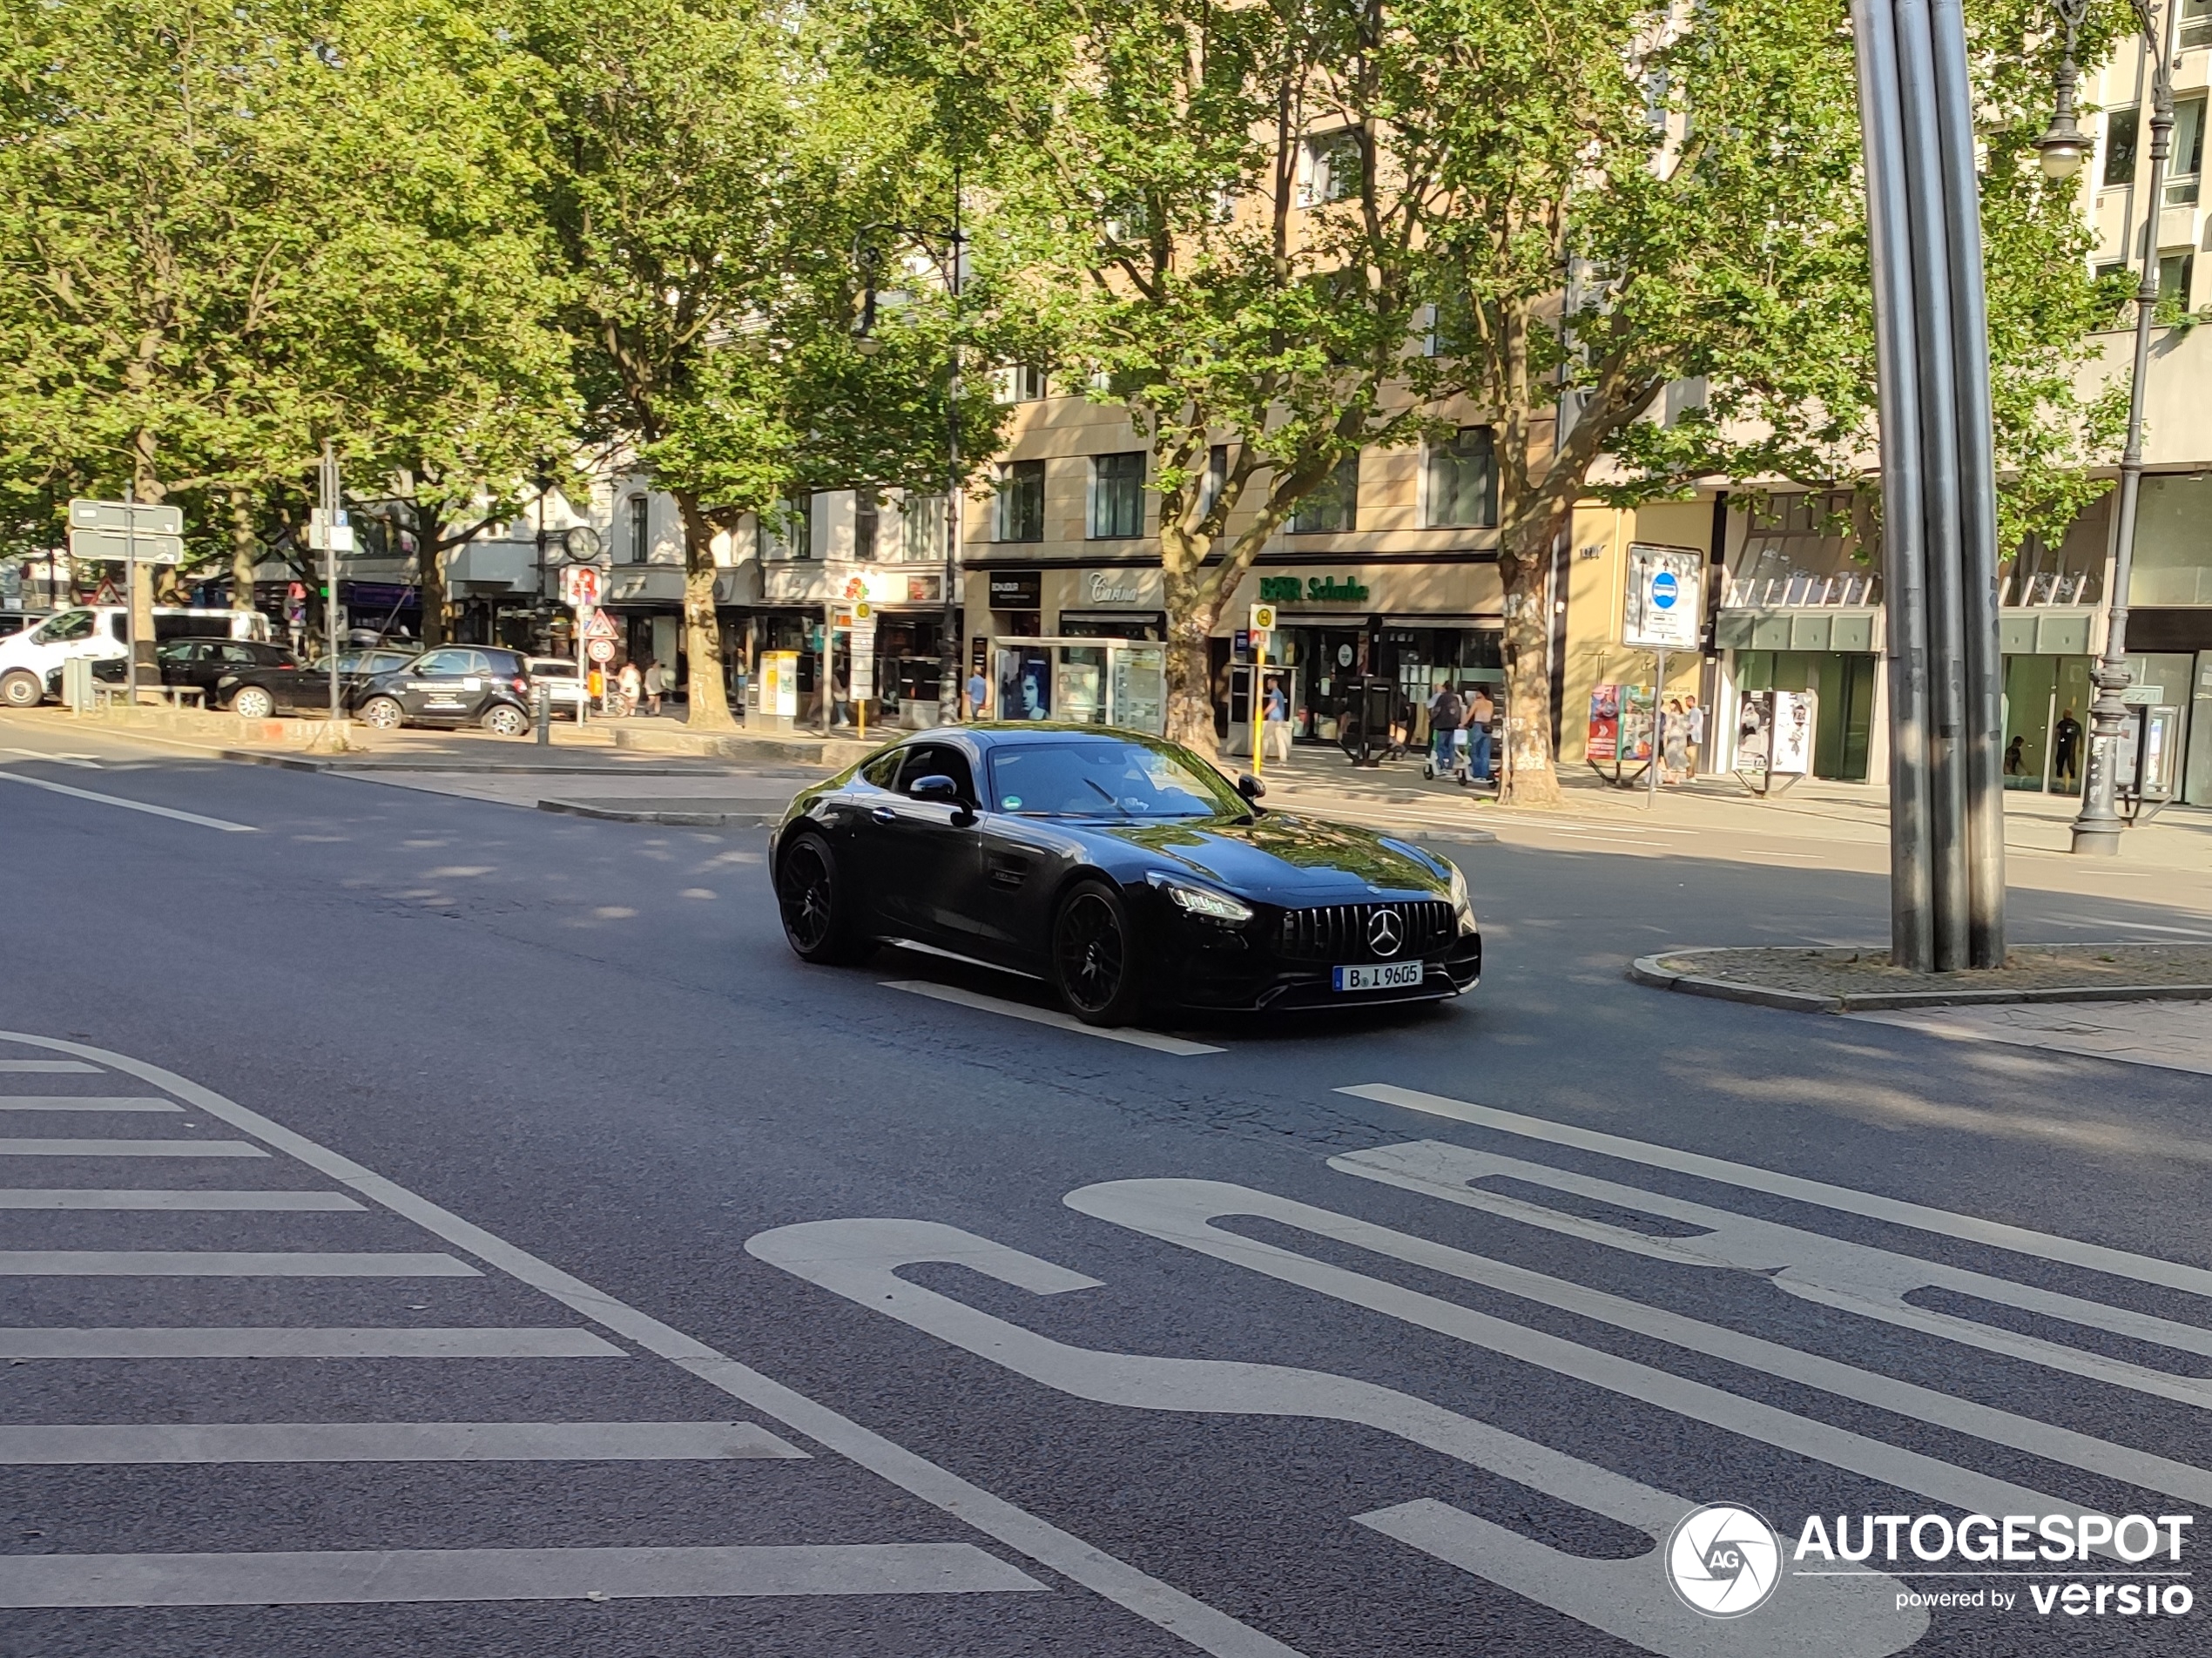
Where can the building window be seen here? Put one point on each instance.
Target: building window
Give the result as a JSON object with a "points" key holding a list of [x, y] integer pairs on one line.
{"points": [[922, 527], [786, 530], [1332, 165], [866, 510], [2119, 146], [1117, 496], [2188, 154], [1463, 480], [2196, 24], [1217, 478], [1333, 505], [640, 528], [2174, 271], [1021, 502]]}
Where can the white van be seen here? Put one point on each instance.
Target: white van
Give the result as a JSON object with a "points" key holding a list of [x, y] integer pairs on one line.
{"points": [[100, 631]]}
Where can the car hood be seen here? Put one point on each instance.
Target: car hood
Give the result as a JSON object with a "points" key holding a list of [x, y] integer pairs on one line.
{"points": [[1285, 859]]}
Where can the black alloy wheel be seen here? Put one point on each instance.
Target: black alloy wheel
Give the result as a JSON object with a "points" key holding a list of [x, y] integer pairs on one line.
{"points": [[811, 897], [1093, 955]]}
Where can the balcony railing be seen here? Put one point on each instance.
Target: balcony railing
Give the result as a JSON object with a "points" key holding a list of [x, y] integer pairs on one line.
{"points": [[1853, 589]]}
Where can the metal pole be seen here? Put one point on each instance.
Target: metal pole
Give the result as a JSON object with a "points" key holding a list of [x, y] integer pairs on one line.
{"points": [[1259, 691], [948, 687], [1658, 716], [1911, 909], [2096, 831], [329, 493], [131, 592], [1941, 481], [1981, 740]]}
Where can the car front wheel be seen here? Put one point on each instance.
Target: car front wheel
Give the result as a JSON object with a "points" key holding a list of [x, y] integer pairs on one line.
{"points": [[505, 720], [1093, 955], [816, 905], [252, 702], [20, 690], [383, 714]]}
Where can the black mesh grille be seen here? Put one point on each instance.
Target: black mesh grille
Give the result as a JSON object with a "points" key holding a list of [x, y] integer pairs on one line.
{"points": [[1338, 933]]}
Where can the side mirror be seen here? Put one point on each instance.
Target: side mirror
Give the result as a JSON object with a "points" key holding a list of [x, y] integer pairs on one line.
{"points": [[1250, 786], [936, 787]]}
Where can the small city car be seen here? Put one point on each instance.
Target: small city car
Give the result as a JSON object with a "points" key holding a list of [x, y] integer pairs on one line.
{"points": [[245, 676], [1121, 869], [564, 687], [456, 684]]}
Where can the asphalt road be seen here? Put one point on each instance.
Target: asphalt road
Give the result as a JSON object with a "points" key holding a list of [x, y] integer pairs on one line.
{"points": [[827, 1317]]}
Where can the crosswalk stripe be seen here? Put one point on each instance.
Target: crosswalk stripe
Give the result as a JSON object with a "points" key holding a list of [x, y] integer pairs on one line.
{"points": [[175, 1197], [84, 1103], [227, 1264], [279, 1341], [2145, 1268], [17, 1147], [79, 1443], [1182, 1212], [371, 1577], [47, 1067]]}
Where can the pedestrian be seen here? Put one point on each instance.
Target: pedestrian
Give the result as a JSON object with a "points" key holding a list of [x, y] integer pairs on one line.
{"points": [[2065, 742], [630, 683], [979, 693], [1479, 716], [1447, 717], [1696, 733], [1276, 721], [1673, 742], [656, 686], [2016, 757]]}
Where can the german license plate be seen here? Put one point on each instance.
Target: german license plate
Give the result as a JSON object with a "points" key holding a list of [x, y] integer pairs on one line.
{"points": [[1389, 975]]}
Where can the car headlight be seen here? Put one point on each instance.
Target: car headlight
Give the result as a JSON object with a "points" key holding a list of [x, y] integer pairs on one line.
{"points": [[1201, 900], [1462, 905]]}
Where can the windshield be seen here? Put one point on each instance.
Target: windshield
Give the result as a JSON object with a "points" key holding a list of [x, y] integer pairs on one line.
{"points": [[1107, 776]]}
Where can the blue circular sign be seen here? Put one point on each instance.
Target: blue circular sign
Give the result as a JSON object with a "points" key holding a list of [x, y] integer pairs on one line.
{"points": [[1665, 589]]}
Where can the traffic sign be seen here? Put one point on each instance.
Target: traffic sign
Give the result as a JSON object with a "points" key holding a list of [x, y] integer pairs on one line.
{"points": [[863, 611], [601, 626], [580, 586], [600, 649], [1262, 618], [1663, 607], [115, 545], [126, 514]]}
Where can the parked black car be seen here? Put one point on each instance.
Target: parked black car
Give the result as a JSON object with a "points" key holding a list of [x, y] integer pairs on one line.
{"points": [[245, 676], [455, 684], [1122, 870]]}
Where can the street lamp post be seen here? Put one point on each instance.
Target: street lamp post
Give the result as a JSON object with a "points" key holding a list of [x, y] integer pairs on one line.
{"points": [[864, 342], [2096, 830]]}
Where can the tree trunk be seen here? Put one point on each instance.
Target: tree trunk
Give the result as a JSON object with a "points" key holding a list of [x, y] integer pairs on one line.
{"points": [[245, 550], [1189, 665], [704, 688], [430, 578], [1528, 775]]}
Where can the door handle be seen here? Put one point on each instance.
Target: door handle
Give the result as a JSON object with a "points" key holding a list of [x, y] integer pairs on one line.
{"points": [[884, 814]]}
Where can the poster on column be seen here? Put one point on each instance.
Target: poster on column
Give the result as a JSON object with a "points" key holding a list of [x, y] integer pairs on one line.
{"points": [[1604, 742], [1790, 733]]}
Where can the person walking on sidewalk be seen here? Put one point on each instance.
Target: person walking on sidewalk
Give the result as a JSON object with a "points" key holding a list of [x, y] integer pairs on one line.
{"points": [[978, 694], [1480, 715], [1696, 731], [1448, 716], [630, 683], [1275, 721], [656, 686]]}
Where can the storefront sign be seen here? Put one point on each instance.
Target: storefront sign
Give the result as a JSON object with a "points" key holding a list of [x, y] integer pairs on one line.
{"points": [[1016, 589], [1312, 590], [890, 587], [1664, 609], [1112, 587]]}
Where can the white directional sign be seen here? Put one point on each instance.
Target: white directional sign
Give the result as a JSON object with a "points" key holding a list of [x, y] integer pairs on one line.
{"points": [[114, 544], [1664, 608], [126, 514]]}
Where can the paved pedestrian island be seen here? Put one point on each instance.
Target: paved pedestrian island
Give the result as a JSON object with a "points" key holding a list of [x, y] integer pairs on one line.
{"points": [[2174, 1035]]}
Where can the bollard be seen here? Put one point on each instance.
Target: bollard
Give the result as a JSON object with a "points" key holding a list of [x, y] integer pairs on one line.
{"points": [[543, 693]]}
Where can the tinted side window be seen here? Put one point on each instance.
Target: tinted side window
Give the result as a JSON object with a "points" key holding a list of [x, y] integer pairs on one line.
{"points": [[451, 663], [883, 771], [69, 624], [936, 759]]}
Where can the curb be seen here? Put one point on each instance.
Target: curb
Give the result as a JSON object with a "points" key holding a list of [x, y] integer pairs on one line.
{"points": [[1652, 971], [669, 820]]}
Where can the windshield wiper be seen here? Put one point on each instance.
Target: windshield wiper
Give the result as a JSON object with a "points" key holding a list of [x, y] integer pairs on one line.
{"points": [[1110, 800]]}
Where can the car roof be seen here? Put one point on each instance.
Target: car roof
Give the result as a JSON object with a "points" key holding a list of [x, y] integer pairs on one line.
{"points": [[1013, 732]]}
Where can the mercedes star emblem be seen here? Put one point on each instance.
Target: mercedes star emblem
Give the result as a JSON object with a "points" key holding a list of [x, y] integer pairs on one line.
{"points": [[1386, 932]]}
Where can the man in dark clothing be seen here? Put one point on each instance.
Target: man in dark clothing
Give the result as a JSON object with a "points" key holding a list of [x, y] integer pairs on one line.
{"points": [[2066, 743], [1447, 713]]}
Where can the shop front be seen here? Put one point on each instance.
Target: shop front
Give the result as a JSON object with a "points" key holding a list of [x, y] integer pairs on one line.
{"points": [[907, 606]]}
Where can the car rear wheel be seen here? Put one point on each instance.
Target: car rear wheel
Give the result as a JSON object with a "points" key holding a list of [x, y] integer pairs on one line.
{"points": [[505, 720], [20, 690], [383, 714], [1093, 955], [816, 905], [252, 702]]}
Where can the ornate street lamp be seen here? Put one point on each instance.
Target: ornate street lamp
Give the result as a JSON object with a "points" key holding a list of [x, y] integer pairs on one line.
{"points": [[2097, 829]]}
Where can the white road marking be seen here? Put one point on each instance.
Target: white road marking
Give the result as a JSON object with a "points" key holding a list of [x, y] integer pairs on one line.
{"points": [[1182, 1212], [1153, 1040], [83, 762], [2126, 1264], [378, 1577], [2171, 1035], [86, 1103], [1184, 1616], [226, 1263], [860, 1260], [132, 806], [1829, 1271], [278, 1341], [103, 1197], [130, 1442], [17, 1147], [47, 1066]]}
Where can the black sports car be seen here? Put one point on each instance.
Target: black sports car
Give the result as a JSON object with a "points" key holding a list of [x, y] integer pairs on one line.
{"points": [[1122, 870]]}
